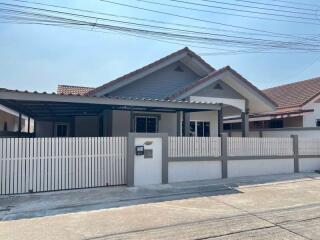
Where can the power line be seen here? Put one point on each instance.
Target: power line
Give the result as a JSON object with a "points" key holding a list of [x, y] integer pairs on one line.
{"points": [[244, 6], [62, 18], [140, 19], [137, 24], [297, 3], [276, 5], [202, 20], [234, 14]]}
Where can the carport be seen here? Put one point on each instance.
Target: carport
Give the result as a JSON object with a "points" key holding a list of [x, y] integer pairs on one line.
{"points": [[44, 107]]}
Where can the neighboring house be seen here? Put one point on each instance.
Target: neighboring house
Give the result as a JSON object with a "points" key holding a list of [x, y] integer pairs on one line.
{"points": [[9, 122], [179, 94], [298, 106]]}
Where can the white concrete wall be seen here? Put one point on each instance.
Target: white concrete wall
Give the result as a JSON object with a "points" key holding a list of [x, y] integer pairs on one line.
{"points": [[287, 133], [309, 164], [241, 168], [195, 170], [309, 120], [86, 126], [212, 117], [148, 171], [300, 133]]}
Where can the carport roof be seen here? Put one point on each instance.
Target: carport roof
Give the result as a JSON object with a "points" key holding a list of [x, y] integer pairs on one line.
{"points": [[48, 105]]}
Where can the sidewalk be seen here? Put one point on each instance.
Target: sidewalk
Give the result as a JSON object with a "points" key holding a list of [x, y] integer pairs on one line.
{"points": [[63, 202]]}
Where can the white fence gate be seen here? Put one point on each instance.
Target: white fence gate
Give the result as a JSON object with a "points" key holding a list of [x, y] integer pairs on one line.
{"points": [[51, 164]]}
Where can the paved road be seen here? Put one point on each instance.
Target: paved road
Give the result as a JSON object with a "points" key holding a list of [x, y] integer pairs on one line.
{"points": [[285, 207]]}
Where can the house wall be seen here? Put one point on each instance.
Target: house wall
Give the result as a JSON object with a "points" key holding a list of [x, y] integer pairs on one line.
{"points": [[212, 117], [220, 92], [11, 120], [293, 122], [44, 129], [121, 123], [86, 126], [309, 120], [159, 84]]}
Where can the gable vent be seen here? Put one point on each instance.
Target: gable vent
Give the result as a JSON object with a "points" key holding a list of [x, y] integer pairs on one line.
{"points": [[178, 69], [218, 87]]}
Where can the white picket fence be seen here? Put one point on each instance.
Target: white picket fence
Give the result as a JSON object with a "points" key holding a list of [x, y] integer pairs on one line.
{"points": [[260, 146], [194, 146], [51, 164], [309, 146]]}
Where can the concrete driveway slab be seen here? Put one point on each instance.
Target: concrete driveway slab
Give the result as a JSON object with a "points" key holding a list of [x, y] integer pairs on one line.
{"points": [[274, 207]]}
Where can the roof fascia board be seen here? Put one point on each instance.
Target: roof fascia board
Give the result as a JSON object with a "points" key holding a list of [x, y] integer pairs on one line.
{"points": [[200, 87], [22, 96], [195, 65], [230, 74], [252, 89], [141, 75]]}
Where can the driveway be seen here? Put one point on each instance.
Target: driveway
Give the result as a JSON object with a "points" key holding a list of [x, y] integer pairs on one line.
{"points": [[274, 207]]}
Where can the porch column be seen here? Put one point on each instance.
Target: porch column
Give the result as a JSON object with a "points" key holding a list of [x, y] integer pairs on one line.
{"points": [[28, 124], [245, 124], [179, 124], [131, 121], [186, 124], [20, 123], [220, 122]]}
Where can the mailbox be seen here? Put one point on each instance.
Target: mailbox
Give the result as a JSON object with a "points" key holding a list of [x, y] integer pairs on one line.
{"points": [[139, 150]]}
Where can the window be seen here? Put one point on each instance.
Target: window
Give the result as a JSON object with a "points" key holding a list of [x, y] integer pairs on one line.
{"points": [[146, 124], [318, 123], [276, 123], [199, 129], [5, 126], [62, 130]]}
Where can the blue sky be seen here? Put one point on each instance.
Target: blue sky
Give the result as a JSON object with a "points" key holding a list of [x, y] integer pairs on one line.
{"points": [[34, 57]]}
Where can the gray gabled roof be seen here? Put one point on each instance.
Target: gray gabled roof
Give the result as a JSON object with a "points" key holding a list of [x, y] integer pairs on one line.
{"points": [[126, 77]]}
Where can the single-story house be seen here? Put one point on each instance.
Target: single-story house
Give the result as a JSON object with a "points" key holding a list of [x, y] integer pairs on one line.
{"points": [[298, 107], [180, 94]]}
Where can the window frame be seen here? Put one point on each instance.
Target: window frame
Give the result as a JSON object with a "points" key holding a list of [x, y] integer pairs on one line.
{"points": [[61, 124], [146, 116], [196, 127]]}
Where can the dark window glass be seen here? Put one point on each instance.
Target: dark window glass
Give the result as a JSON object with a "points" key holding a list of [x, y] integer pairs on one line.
{"points": [[141, 125], [206, 129], [318, 123], [227, 126], [5, 126], [62, 130], [192, 129], [146, 125], [200, 129], [276, 123], [151, 125]]}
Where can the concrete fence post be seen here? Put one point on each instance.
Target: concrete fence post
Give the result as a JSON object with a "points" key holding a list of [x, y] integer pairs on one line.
{"points": [[295, 139], [224, 155]]}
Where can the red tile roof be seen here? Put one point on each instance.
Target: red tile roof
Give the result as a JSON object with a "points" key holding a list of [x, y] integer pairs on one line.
{"points": [[73, 90], [140, 70], [294, 95]]}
